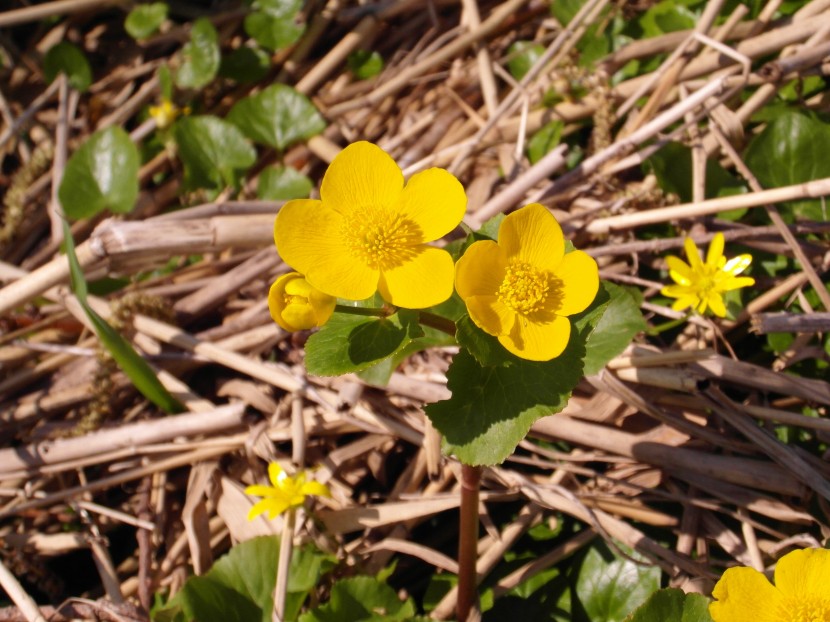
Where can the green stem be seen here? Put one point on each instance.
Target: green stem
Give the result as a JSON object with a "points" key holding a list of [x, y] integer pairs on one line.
{"points": [[368, 311], [656, 330], [283, 565], [436, 321], [468, 541]]}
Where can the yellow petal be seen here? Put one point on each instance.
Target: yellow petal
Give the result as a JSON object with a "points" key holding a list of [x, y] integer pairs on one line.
{"points": [[693, 256], [480, 271], [578, 278], [260, 490], [738, 282], [315, 488], [715, 302], [715, 252], [258, 508], [537, 342], [491, 315], [299, 316], [738, 264], [745, 595], [435, 200], [276, 299], [679, 270], [276, 507], [532, 234], [421, 281], [276, 474], [804, 573], [362, 175], [684, 302], [323, 306]]}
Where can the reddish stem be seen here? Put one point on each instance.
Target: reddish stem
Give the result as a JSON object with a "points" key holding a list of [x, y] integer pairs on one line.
{"points": [[468, 541]]}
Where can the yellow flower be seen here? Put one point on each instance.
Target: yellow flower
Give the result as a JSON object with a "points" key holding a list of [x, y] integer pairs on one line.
{"points": [[286, 492], [167, 112], [369, 232], [801, 592], [523, 288], [700, 285], [296, 305]]}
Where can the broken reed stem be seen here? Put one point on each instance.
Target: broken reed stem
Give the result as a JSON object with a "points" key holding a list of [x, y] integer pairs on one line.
{"points": [[284, 564], [764, 323], [468, 541]]}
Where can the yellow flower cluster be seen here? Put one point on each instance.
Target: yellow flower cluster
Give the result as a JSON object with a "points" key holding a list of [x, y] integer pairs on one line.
{"points": [[701, 285], [801, 592], [166, 113], [371, 232], [285, 492]]}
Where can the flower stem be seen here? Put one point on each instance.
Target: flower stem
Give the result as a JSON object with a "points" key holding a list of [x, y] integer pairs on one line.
{"points": [[656, 330], [286, 544], [467, 541], [369, 311], [436, 321]]}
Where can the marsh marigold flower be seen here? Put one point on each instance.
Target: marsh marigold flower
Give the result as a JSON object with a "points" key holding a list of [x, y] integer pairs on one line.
{"points": [[801, 592], [369, 232], [285, 492], [296, 305], [701, 285], [522, 288]]}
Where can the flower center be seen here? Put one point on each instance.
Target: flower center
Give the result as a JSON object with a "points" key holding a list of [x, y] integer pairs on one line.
{"points": [[524, 288], [807, 609], [380, 237]]}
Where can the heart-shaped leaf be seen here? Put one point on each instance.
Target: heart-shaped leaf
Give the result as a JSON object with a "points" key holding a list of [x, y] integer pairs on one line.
{"points": [[145, 19], [68, 59], [200, 56]]}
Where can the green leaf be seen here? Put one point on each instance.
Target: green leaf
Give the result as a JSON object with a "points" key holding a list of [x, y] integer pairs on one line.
{"points": [[277, 116], [672, 605], [101, 174], [672, 165], [380, 373], [365, 64], [619, 323], [135, 367], [68, 59], [200, 56], [361, 599], [522, 56], [497, 396], [609, 586], [667, 16], [214, 152], [165, 82], [245, 65], [240, 586], [564, 10], [145, 19], [349, 343], [544, 141], [272, 32], [282, 184], [790, 150]]}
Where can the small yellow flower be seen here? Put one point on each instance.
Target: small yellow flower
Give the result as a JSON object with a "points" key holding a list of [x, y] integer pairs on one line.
{"points": [[286, 492], [523, 288], [801, 592], [167, 112], [700, 285], [370, 232], [296, 305]]}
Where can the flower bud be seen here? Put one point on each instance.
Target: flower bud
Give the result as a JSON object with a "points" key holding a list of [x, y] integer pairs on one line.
{"points": [[296, 305]]}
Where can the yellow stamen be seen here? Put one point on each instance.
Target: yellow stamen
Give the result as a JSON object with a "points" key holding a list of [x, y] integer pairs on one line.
{"points": [[524, 288], [381, 238]]}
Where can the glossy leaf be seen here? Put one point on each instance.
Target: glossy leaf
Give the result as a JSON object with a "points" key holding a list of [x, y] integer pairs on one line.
{"points": [[349, 343], [283, 183], [365, 64], [245, 65], [672, 605], [544, 141], [273, 33], [214, 152], [790, 150], [609, 587], [278, 117], [145, 19], [522, 56], [101, 174], [618, 325], [66, 58], [361, 599], [672, 166], [497, 396], [136, 368], [240, 586], [200, 56]]}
